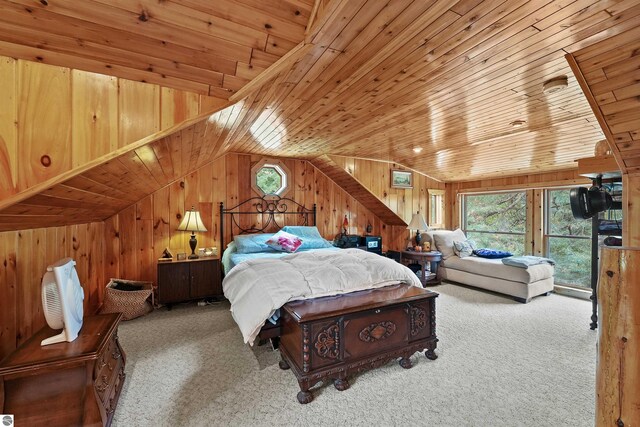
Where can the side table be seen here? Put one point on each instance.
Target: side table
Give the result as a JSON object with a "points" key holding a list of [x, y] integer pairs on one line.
{"points": [[422, 258]]}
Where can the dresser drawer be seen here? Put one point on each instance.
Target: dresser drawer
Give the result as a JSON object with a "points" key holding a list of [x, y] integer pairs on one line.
{"points": [[369, 332], [107, 368]]}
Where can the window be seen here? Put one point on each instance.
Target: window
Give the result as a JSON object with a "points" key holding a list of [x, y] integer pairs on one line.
{"points": [[496, 220], [568, 240], [436, 208], [270, 177]]}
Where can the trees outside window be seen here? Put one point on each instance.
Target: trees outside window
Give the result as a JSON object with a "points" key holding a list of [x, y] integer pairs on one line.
{"points": [[496, 220], [568, 240], [269, 180], [269, 177]]}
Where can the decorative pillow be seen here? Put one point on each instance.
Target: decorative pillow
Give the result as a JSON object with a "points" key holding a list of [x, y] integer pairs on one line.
{"points": [[491, 253], [464, 248], [285, 242], [252, 243], [444, 241], [311, 238]]}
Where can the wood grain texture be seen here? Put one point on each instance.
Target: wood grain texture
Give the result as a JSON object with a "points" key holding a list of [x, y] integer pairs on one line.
{"points": [[631, 210], [357, 190], [608, 72], [136, 236], [75, 117], [617, 371], [384, 78], [44, 122], [24, 256], [94, 116], [191, 45], [8, 128]]}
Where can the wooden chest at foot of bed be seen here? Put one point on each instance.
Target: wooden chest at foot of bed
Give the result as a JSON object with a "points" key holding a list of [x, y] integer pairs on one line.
{"points": [[334, 337]]}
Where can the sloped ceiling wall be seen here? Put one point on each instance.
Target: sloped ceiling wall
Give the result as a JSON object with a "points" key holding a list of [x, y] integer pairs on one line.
{"points": [[367, 76]]}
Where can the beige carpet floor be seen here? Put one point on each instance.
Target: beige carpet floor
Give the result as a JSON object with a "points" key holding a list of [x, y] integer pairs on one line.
{"points": [[500, 363]]}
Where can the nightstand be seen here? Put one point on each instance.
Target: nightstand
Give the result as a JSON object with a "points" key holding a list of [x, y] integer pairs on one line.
{"points": [[180, 281], [422, 258]]}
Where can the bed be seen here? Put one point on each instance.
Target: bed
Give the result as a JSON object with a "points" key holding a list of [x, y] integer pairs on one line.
{"points": [[340, 289], [253, 270]]}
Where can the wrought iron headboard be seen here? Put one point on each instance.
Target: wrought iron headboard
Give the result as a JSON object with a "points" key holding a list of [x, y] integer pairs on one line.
{"points": [[269, 207]]}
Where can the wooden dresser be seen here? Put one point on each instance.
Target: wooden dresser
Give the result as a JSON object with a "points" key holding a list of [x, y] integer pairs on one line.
{"points": [[333, 337], [65, 384]]}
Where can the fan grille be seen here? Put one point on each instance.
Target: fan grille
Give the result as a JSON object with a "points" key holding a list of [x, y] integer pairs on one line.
{"points": [[52, 306]]}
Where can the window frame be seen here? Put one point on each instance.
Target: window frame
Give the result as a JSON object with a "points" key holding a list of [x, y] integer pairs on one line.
{"points": [[463, 215], [439, 221], [281, 168], [546, 236]]}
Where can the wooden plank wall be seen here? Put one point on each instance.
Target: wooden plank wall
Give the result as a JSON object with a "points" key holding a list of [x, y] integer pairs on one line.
{"points": [[376, 176], [136, 237], [24, 257], [53, 119]]}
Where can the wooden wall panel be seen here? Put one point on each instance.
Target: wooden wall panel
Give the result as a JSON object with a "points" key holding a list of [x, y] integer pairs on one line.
{"points": [[134, 98], [44, 122], [24, 256], [95, 116], [8, 290], [631, 210], [376, 176], [136, 237], [8, 128], [75, 117], [177, 106]]}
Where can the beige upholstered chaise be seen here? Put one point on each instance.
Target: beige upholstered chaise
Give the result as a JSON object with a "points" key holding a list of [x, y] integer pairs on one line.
{"points": [[491, 274]]}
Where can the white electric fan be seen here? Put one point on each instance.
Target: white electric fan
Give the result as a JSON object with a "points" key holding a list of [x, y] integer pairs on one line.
{"points": [[62, 297]]}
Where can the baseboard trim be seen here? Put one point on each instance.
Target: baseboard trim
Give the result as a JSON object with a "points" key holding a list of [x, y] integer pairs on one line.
{"points": [[572, 292]]}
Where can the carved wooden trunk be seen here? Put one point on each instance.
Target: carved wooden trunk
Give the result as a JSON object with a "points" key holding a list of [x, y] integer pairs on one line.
{"points": [[333, 337], [76, 383]]}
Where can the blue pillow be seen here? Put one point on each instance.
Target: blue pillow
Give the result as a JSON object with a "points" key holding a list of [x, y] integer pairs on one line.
{"points": [[311, 238], [252, 243], [303, 231], [491, 253]]}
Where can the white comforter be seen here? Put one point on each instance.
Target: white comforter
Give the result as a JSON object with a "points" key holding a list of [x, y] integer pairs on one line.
{"points": [[257, 288]]}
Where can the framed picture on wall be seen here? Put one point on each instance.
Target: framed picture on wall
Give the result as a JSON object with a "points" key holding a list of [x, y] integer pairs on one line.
{"points": [[401, 179]]}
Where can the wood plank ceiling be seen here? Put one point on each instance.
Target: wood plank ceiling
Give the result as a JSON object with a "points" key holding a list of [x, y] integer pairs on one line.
{"points": [[376, 79], [609, 72], [208, 47], [448, 77]]}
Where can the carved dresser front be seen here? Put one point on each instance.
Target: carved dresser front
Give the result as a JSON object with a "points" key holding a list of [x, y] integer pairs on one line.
{"points": [[71, 383], [334, 337]]}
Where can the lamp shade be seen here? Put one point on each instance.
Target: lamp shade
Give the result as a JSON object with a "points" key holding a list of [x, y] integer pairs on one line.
{"points": [[417, 223], [192, 221]]}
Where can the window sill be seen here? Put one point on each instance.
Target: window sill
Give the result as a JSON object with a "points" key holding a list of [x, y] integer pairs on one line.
{"points": [[572, 292]]}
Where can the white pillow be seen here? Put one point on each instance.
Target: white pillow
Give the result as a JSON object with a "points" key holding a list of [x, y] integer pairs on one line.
{"points": [[444, 241], [464, 248]]}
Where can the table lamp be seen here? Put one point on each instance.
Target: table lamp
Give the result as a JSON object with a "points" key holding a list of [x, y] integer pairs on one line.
{"points": [[419, 224], [192, 222]]}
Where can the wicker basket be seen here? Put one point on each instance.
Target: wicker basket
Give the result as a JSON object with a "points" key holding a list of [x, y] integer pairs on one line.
{"points": [[131, 304]]}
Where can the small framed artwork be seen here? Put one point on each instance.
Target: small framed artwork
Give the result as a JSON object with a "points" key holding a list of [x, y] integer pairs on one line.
{"points": [[181, 256], [401, 179]]}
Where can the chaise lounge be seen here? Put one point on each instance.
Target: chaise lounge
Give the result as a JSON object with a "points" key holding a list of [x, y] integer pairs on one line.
{"points": [[491, 274]]}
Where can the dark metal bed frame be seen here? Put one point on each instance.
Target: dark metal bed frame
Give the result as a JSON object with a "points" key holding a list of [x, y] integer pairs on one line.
{"points": [[269, 206]]}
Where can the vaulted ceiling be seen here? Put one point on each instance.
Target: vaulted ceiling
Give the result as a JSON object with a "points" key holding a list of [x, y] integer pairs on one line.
{"points": [[366, 78], [208, 47]]}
